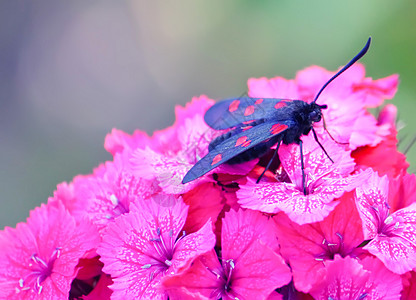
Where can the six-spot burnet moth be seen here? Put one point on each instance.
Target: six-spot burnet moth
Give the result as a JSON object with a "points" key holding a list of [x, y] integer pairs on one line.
{"points": [[257, 124]]}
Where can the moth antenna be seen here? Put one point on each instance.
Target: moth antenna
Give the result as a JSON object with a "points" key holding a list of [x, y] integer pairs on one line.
{"points": [[352, 61]]}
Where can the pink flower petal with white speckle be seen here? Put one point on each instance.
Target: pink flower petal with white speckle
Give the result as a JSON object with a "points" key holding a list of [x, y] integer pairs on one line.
{"points": [[167, 170], [241, 228], [275, 197], [347, 278], [393, 235]]}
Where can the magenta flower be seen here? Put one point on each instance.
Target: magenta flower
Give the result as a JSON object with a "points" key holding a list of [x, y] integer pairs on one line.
{"points": [[250, 267], [132, 230], [325, 181], [347, 278], [38, 258], [392, 235], [307, 247], [106, 194], [143, 246]]}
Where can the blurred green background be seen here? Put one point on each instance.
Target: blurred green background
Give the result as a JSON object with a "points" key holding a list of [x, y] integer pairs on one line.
{"points": [[70, 71]]}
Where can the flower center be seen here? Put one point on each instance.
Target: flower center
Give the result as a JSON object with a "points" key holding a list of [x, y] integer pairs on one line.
{"points": [[40, 270], [164, 249], [118, 208], [332, 248], [384, 222], [225, 282]]}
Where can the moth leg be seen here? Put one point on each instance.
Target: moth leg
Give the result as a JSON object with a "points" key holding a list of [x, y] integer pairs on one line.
{"points": [[326, 129], [270, 162], [302, 167], [320, 145]]}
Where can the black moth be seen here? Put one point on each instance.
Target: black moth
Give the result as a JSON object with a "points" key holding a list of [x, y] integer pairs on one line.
{"points": [[259, 123]]}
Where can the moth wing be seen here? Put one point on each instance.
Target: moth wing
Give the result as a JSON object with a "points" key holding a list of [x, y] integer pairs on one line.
{"points": [[235, 111], [233, 146]]}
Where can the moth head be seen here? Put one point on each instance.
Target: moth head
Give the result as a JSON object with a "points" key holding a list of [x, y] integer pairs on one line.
{"points": [[315, 115]]}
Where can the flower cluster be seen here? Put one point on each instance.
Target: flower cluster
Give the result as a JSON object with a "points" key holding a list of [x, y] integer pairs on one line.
{"points": [[132, 230]]}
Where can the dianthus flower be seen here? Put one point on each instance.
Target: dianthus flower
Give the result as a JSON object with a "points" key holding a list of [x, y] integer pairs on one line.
{"points": [[38, 258], [249, 267], [105, 194], [143, 246], [339, 232], [392, 235]]}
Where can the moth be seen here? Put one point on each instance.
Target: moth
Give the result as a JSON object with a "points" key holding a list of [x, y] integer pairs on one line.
{"points": [[257, 124]]}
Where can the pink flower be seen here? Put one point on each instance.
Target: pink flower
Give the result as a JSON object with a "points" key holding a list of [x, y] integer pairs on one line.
{"points": [[393, 238], [307, 247], [325, 181], [143, 246], [347, 278], [38, 258], [250, 266], [106, 194]]}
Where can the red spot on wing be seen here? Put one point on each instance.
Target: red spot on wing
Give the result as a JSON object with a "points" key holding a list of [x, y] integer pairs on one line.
{"points": [[258, 101], [276, 128], [216, 159], [234, 106], [242, 141], [249, 110], [280, 104]]}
